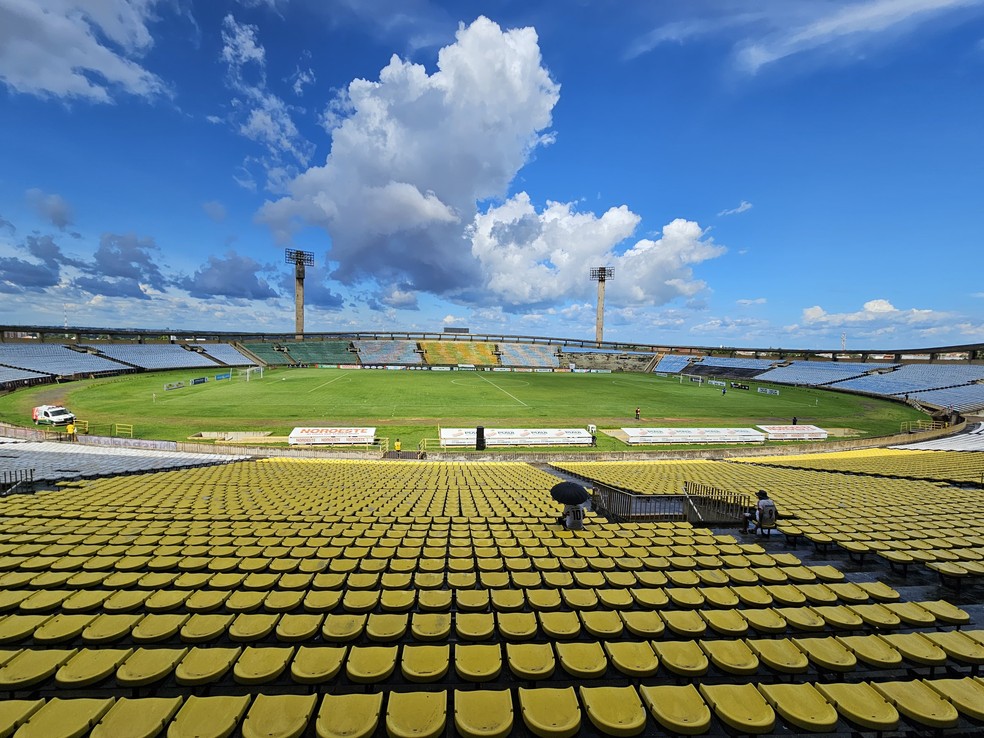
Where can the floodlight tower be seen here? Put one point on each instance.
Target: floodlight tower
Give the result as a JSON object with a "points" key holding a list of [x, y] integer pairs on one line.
{"points": [[601, 275], [299, 259]]}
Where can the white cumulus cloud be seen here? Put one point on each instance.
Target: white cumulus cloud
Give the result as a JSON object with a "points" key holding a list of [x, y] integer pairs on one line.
{"points": [[412, 153], [77, 48]]}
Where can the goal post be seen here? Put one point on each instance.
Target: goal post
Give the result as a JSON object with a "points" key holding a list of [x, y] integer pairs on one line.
{"points": [[251, 372]]}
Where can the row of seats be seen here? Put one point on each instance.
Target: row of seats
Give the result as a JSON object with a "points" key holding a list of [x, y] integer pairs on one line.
{"points": [[491, 713], [76, 668], [241, 622]]}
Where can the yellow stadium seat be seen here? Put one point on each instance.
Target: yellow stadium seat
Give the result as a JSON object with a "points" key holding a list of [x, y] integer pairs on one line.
{"points": [[208, 716], [137, 718], [474, 626], [278, 716], [62, 628], [517, 626], [917, 648], [65, 718], [732, 656], [584, 660], [801, 705], [90, 666], [32, 667], [684, 658], [780, 654], [14, 628], [386, 627], [958, 646], [317, 664], [259, 665], [633, 658], [486, 713], [416, 714], [530, 660], [686, 623], [430, 626], [425, 663], [740, 706], [249, 627], [148, 665], [478, 663], [918, 702], [615, 711], [678, 709], [205, 665], [349, 715], [872, 650], [966, 694], [550, 713], [370, 664]]}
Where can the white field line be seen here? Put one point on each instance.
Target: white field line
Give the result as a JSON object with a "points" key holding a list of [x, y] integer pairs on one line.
{"points": [[314, 389], [508, 394]]}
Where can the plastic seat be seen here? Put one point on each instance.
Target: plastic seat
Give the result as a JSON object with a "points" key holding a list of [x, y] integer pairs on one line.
{"points": [[802, 618], [472, 600], [64, 718], [259, 665], [416, 714], [339, 628], [125, 601], [827, 653], [205, 665], [474, 626], [605, 624], [245, 601], [507, 600], [252, 626], [780, 654], [740, 706], [643, 623], [839, 616], [550, 713], [877, 615], [731, 656], [90, 666], [14, 713], [158, 627], [425, 663], [137, 718], [434, 600], [861, 704], [349, 715], [678, 709], [918, 702], [687, 623], [517, 626], [317, 664], [543, 599], [880, 591], [62, 628], [584, 660], [765, 620], [486, 713], [559, 625], [370, 664], [615, 711], [633, 658], [148, 665], [208, 717], [165, 600], [202, 628], [958, 646], [14, 628], [917, 648], [801, 705], [966, 694], [279, 716], [478, 663], [946, 612], [28, 668], [387, 627], [432, 626], [848, 592], [398, 600], [726, 622], [872, 650], [530, 660], [684, 658]]}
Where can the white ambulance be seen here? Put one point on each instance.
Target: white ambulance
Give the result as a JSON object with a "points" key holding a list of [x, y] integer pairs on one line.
{"points": [[52, 415]]}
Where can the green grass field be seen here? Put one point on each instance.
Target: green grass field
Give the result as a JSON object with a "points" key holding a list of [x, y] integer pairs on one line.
{"points": [[412, 405]]}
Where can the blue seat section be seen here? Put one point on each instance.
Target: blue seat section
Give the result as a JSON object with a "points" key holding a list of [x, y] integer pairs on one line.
{"points": [[670, 364], [969, 397], [388, 352], [527, 354], [912, 378], [737, 362], [818, 373], [57, 360], [13, 376], [226, 353], [155, 356]]}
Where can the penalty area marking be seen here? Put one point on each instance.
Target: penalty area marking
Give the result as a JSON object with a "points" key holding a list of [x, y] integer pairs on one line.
{"points": [[330, 381], [508, 394]]}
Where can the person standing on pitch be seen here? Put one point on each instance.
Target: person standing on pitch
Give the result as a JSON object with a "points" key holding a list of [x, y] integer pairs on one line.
{"points": [[638, 413]]}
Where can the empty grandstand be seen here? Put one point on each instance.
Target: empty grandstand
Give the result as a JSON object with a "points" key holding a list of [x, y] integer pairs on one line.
{"points": [[271, 354], [671, 364], [817, 373], [528, 355], [225, 353], [388, 352], [153, 356], [321, 352], [59, 361], [451, 353], [913, 378]]}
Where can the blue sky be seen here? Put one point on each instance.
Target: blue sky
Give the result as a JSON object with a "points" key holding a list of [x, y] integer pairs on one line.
{"points": [[757, 172]]}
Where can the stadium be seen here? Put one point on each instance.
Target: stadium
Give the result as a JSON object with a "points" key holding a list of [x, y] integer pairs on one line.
{"points": [[171, 565]]}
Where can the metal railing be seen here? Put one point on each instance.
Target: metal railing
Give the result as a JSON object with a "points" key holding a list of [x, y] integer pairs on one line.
{"points": [[13, 482], [698, 504]]}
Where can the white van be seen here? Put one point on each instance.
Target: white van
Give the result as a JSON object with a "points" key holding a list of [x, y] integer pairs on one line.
{"points": [[52, 415]]}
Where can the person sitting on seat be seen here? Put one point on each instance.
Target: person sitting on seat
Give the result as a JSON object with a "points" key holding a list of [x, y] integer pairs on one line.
{"points": [[763, 516], [573, 517]]}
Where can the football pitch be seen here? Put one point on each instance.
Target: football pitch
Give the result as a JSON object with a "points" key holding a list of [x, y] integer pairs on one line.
{"points": [[412, 405]]}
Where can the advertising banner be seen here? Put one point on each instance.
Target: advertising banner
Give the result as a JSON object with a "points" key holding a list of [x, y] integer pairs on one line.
{"points": [[517, 437], [693, 435], [331, 436], [794, 432]]}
